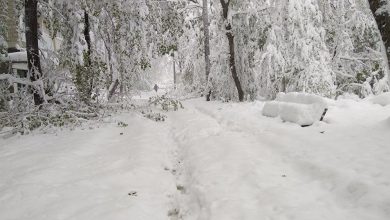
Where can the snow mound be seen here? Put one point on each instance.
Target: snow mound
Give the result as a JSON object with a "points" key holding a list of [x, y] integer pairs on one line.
{"points": [[383, 99], [271, 109], [299, 108], [301, 98]]}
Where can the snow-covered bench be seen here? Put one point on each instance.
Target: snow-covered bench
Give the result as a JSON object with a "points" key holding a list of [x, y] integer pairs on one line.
{"points": [[300, 108]]}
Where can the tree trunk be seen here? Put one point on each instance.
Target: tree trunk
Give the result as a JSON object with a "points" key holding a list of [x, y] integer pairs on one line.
{"points": [[383, 22], [232, 61], [174, 69], [87, 36], [112, 89], [206, 32], [87, 60], [34, 64]]}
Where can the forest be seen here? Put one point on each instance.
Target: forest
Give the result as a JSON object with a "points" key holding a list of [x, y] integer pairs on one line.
{"points": [[97, 52], [195, 109]]}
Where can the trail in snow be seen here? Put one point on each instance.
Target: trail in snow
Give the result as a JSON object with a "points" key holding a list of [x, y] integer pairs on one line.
{"points": [[209, 161], [241, 165]]}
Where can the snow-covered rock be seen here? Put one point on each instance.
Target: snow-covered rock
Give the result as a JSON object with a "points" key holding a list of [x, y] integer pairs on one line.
{"points": [[299, 108], [383, 99]]}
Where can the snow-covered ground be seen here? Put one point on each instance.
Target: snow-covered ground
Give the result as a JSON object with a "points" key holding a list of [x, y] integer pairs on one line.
{"points": [[211, 160]]}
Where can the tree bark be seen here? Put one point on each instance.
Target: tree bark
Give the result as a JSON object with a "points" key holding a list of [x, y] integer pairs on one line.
{"points": [[383, 22], [112, 89], [174, 70], [206, 32], [232, 61], [34, 65], [87, 36], [88, 63]]}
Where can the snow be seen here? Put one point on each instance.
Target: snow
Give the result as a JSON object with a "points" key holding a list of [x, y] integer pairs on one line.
{"points": [[301, 114], [271, 109], [241, 165], [210, 160], [16, 57], [299, 108], [383, 99], [302, 98], [87, 174]]}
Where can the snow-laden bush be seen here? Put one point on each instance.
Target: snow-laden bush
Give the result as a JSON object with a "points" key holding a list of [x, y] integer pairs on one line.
{"points": [[165, 103], [46, 117], [154, 116], [156, 105]]}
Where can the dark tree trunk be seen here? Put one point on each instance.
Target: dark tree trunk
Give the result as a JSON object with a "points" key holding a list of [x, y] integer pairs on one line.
{"points": [[34, 64], [87, 36], [232, 61], [87, 61], [112, 89], [383, 21], [206, 32]]}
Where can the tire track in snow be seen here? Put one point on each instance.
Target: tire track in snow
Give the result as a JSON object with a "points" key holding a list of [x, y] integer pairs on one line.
{"points": [[187, 202], [175, 212], [189, 129]]}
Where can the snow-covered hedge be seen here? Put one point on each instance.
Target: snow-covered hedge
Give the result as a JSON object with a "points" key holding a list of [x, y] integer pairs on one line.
{"points": [[299, 108]]}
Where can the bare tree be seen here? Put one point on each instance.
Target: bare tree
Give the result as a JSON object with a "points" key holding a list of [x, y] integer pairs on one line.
{"points": [[206, 46], [34, 64], [232, 62]]}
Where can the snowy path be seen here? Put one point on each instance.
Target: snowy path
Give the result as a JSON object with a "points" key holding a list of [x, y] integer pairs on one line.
{"points": [[209, 161], [241, 165], [93, 174]]}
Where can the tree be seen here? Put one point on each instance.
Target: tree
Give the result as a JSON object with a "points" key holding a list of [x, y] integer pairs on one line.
{"points": [[381, 11], [84, 74], [3, 27], [230, 37], [358, 57], [206, 32], [33, 60]]}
